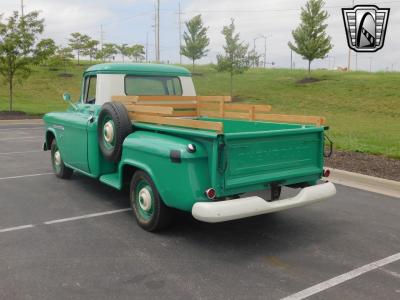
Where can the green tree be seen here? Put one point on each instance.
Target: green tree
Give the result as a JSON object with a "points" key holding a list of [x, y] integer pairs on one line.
{"points": [[79, 42], [107, 52], [45, 48], [62, 58], [19, 49], [310, 38], [196, 40], [123, 50], [136, 52], [90, 49], [254, 58], [235, 60]]}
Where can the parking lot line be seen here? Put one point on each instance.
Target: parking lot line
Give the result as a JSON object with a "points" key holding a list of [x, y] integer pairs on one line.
{"points": [[315, 289], [23, 152], [25, 176], [22, 138], [87, 216], [21, 128], [16, 228]]}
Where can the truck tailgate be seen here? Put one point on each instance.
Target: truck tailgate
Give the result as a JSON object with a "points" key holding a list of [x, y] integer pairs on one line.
{"points": [[280, 156]]}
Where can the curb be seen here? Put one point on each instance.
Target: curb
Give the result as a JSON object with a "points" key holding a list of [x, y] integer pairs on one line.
{"points": [[377, 185], [21, 122]]}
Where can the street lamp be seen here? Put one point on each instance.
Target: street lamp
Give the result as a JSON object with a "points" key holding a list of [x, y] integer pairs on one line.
{"points": [[254, 49], [265, 47]]}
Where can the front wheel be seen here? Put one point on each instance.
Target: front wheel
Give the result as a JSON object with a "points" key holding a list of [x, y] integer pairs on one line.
{"points": [[150, 211], [59, 167]]}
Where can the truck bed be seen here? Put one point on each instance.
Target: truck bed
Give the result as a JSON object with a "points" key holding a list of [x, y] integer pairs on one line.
{"points": [[251, 155]]}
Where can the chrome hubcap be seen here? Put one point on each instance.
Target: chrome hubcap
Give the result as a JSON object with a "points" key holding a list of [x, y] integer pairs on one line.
{"points": [[145, 199], [108, 132], [57, 158]]}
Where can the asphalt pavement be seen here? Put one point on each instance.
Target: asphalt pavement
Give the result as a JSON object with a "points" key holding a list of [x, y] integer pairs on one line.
{"points": [[74, 239]]}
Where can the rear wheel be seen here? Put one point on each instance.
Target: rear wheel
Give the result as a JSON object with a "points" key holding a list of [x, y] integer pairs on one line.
{"points": [[150, 211], [59, 167]]}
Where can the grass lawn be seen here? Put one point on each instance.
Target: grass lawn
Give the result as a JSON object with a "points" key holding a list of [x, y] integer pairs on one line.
{"points": [[362, 109]]}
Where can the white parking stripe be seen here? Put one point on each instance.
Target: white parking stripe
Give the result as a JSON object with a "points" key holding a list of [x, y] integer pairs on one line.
{"points": [[22, 138], [16, 228], [25, 128], [342, 278], [9, 153], [25, 176], [110, 212], [87, 216]]}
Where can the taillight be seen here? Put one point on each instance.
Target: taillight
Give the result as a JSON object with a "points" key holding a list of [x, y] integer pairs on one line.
{"points": [[210, 193], [327, 173]]}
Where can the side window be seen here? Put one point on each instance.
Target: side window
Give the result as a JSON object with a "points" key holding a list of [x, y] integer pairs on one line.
{"points": [[174, 86], [90, 90]]}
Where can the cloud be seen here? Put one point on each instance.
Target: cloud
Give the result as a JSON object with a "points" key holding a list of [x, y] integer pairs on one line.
{"points": [[130, 21], [276, 20]]}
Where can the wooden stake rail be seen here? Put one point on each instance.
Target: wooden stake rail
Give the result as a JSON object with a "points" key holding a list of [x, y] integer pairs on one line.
{"points": [[170, 110]]}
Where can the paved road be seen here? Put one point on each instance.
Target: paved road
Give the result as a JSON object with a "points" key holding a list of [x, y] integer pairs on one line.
{"points": [[110, 257]]}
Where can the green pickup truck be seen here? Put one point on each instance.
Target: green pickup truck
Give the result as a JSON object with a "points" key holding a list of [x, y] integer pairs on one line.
{"points": [[198, 168]]}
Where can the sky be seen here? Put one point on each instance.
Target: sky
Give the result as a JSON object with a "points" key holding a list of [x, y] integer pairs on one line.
{"points": [[131, 22]]}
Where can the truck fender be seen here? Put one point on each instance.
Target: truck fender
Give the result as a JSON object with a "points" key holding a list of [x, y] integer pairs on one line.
{"points": [[50, 136]]}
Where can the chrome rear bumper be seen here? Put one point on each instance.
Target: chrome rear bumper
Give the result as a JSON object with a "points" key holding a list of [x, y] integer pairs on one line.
{"points": [[214, 212]]}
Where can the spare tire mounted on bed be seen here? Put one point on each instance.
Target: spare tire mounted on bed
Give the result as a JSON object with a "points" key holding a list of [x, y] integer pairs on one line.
{"points": [[114, 125]]}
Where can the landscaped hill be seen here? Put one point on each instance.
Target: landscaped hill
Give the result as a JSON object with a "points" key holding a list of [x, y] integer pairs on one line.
{"points": [[363, 109]]}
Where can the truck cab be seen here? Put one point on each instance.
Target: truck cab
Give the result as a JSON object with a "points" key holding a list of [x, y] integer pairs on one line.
{"points": [[142, 126]]}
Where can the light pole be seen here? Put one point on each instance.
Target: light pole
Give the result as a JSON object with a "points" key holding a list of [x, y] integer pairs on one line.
{"points": [[329, 61], [254, 49], [265, 50], [291, 59], [265, 47]]}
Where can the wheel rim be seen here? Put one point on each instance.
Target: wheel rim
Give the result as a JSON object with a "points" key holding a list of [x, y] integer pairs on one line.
{"points": [[109, 133], [57, 161], [144, 198]]}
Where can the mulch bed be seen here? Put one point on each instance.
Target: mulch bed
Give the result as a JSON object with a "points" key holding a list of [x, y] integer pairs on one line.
{"points": [[16, 115], [308, 80], [373, 165]]}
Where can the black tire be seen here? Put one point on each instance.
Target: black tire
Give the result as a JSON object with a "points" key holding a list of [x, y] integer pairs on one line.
{"points": [[58, 165], [116, 115], [151, 218]]}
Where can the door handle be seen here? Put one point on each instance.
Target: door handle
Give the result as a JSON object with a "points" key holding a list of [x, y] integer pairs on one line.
{"points": [[91, 119]]}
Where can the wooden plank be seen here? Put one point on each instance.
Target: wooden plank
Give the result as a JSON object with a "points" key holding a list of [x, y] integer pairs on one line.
{"points": [[214, 98], [221, 109], [160, 110], [125, 99], [252, 113], [237, 115], [167, 98], [197, 124], [174, 105], [184, 113], [247, 107], [208, 105], [209, 113], [318, 121]]}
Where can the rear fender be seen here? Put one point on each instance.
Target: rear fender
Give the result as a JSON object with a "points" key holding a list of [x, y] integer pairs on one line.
{"points": [[181, 177]]}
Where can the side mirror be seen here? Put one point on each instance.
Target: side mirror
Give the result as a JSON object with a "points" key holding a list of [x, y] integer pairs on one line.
{"points": [[67, 98]]}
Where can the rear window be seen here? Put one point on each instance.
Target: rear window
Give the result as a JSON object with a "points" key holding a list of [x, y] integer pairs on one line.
{"points": [[152, 86]]}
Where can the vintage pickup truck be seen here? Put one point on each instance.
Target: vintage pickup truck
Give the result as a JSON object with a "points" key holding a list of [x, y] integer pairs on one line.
{"points": [[142, 126]]}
